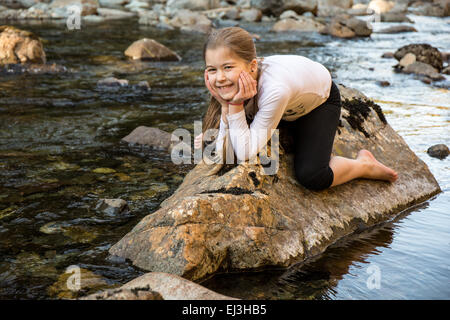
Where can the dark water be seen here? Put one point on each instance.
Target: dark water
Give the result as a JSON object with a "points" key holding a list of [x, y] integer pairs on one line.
{"points": [[60, 153]]}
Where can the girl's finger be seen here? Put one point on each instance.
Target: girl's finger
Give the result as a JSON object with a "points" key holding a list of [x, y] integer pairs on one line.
{"points": [[244, 83]]}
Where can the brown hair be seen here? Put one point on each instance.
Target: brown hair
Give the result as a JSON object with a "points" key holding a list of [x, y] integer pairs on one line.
{"points": [[240, 42]]}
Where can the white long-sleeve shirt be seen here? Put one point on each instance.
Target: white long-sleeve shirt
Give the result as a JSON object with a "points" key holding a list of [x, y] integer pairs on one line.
{"points": [[289, 87]]}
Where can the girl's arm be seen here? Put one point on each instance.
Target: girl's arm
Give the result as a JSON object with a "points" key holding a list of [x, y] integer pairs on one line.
{"points": [[248, 141]]}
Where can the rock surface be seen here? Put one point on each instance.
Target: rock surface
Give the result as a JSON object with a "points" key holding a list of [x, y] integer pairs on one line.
{"points": [[302, 24], [440, 151], [423, 52], [242, 219], [19, 46], [157, 286], [346, 26], [149, 49], [152, 137]]}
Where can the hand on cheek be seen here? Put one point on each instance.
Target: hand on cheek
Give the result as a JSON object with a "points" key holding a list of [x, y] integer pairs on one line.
{"points": [[247, 88]]}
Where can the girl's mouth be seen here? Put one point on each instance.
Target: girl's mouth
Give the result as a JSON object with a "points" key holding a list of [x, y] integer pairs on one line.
{"points": [[225, 88]]}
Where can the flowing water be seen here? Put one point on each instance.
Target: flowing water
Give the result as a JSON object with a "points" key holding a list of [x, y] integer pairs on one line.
{"points": [[60, 152]]}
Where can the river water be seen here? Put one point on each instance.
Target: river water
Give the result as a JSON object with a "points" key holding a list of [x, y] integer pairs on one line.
{"points": [[60, 153]]}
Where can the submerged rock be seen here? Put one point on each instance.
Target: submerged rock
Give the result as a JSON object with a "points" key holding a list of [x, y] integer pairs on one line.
{"points": [[398, 29], [440, 151], [157, 286], [243, 219], [111, 207]]}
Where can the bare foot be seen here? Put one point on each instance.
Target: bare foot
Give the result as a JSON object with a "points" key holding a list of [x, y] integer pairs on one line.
{"points": [[376, 170]]}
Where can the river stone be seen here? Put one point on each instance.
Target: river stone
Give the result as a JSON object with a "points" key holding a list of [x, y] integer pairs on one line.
{"points": [[407, 60], [149, 49], [301, 24], [440, 151], [167, 286], [423, 69], [398, 29], [394, 17], [114, 13], [111, 207], [19, 46], [346, 26], [423, 52], [242, 219], [191, 21], [152, 137]]}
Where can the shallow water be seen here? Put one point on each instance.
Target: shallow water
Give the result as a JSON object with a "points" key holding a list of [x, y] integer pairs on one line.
{"points": [[56, 130]]}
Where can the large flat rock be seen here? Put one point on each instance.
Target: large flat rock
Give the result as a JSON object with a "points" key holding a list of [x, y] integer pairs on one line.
{"points": [[242, 219]]}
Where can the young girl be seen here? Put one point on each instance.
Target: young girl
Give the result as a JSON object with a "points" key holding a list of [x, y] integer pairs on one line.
{"points": [[281, 88]]}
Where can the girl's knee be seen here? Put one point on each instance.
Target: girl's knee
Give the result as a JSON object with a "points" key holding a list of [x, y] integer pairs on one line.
{"points": [[315, 180]]}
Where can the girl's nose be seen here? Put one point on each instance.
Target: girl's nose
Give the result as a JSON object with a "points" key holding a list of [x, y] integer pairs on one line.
{"points": [[220, 75]]}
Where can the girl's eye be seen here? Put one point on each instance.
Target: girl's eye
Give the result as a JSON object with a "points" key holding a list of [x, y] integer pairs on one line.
{"points": [[210, 70], [228, 67]]}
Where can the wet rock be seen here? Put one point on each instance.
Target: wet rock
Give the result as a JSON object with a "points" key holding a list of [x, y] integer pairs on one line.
{"points": [[398, 29], [395, 17], [359, 9], [251, 15], [65, 287], [440, 151], [14, 69], [112, 82], [423, 52], [346, 26], [445, 56], [423, 69], [289, 14], [114, 4], [148, 17], [191, 21], [153, 137], [19, 46], [114, 13], [88, 7], [164, 286], [301, 24], [142, 85], [111, 207], [137, 293], [149, 49], [243, 219], [446, 70]]}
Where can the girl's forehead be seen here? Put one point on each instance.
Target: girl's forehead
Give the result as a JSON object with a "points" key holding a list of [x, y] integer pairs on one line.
{"points": [[220, 55]]}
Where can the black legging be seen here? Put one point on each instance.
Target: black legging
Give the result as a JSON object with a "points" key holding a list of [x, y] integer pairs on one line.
{"points": [[313, 136]]}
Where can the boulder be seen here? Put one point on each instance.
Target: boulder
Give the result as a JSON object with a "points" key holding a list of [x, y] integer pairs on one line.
{"points": [[243, 219], [19, 46], [446, 70], [423, 52], [276, 7], [111, 207], [149, 49], [346, 26], [407, 60], [440, 151], [301, 24], [158, 286]]}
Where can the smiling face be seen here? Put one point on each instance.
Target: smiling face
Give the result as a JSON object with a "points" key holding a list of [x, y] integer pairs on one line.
{"points": [[223, 68]]}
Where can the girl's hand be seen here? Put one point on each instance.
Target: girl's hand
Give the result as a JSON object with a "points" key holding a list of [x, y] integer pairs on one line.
{"points": [[198, 141], [213, 92], [247, 88]]}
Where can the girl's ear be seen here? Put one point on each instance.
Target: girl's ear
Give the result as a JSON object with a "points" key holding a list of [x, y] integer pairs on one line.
{"points": [[254, 66]]}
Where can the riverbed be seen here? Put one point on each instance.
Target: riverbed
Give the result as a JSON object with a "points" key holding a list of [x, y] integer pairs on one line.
{"points": [[60, 152]]}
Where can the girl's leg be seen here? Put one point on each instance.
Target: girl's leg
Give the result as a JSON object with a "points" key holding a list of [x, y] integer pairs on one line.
{"points": [[364, 166]]}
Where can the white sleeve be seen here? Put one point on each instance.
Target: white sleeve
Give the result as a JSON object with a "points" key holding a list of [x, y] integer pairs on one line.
{"points": [[221, 136], [247, 142]]}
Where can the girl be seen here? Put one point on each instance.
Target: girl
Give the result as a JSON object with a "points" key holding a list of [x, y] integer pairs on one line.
{"points": [[278, 90]]}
